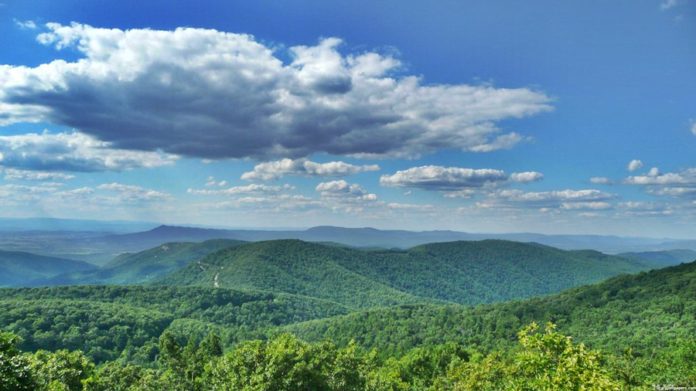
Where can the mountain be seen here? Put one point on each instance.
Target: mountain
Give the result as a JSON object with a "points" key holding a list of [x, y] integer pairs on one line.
{"points": [[143, 266], [664, 258], [460, 272], [371, 237], [19, 268], [99, 242], [290, 266], [648, 312]]}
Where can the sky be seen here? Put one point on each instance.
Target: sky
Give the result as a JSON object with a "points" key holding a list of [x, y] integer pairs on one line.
{"points": [[478, 116]]}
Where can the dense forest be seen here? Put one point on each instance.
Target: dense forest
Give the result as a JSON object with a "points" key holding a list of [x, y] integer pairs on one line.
{"points": [[628, 332], [459, 272]]}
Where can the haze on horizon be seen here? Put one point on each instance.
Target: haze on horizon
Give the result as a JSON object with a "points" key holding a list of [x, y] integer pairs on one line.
{"points": [[415, 117]]}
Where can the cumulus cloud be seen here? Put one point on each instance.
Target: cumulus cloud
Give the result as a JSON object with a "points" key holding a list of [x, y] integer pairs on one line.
{"points": [[526, 177], [693, 128], [211, 94], [654, 177], [72, 152], [443, 178], [344, 190], [681, 184], [634, 165], [456, 181], [280, 168]]}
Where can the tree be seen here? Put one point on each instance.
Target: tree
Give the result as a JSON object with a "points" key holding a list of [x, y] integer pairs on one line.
{"points": [[15, 372]]}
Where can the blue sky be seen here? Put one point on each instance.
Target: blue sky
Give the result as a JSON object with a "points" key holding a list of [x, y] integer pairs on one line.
{"points": [[477, 116]]}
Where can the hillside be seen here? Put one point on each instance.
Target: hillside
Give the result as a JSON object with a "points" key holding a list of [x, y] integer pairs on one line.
{"points": [[143, 266], [19, 268], [460, 272], [109, 322], [651, 315], [290, 266], [649, 311]]}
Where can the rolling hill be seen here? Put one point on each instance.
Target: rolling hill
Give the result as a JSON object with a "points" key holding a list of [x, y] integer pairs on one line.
{"points": [[19, 268], [648, 312], [143, 266], [460, 272]]}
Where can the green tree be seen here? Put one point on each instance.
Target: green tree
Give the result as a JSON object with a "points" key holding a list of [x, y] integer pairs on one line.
{"points": [[60, 370], [15, 372]]}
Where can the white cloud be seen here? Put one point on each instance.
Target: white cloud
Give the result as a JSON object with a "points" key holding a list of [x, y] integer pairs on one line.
{"points": [[680, 184], [211, 94], [643, 208], [72, 152], [443, 178], [567, 199], [693, 128], [344, 190], [211, 182], [280, 168], [103, 199], [133, 194], [456, 182], [12, 174], [599, 180], [634, 165], [526, 177], [243, 190], [592, 205], [25, 24], [654, 177]]}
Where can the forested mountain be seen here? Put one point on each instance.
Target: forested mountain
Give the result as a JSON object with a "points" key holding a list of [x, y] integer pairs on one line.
{"points": [[644, 323], [292, 266], [460, 272], [19, 268], [143, 266], [648, 312]]}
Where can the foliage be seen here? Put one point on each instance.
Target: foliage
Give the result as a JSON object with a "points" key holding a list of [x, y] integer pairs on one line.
{"points": [[15, 372], [543, 360], [460, 272], [111, 322]]}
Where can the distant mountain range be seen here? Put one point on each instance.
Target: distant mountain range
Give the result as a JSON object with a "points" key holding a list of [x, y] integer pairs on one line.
{"points": [[666, 257], [100, 246], [21, 268], [371, 237], [144, 266]]}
